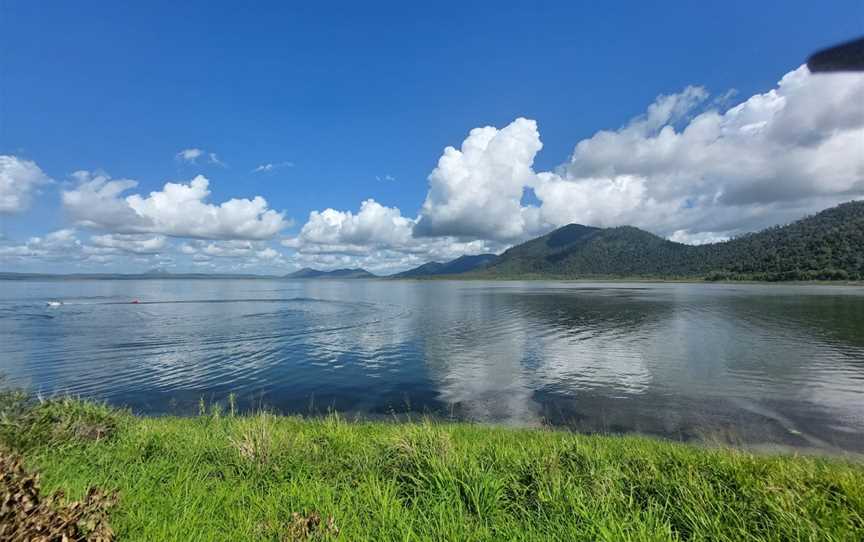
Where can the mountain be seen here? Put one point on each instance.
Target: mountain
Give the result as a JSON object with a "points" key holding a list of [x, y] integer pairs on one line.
{"points": [[577, 250], [462, 264], [826, 246], [308, 273]]}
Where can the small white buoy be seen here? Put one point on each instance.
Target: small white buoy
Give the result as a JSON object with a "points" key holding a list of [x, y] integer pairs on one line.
{"points": [[55, 303]]}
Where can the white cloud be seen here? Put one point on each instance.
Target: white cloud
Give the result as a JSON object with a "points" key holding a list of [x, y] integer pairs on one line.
{"points": [[19, 179], [767, 160], [683, 236], [267, 254], [178, 210], [64, 238], [60, 246], [63, 247], [476, 191], [63, 250], [377, 237], [192, 155], [264, 168], [96, 203], [770, 159], [386, 177], [374, 226], [134, 243], [252, 251]]}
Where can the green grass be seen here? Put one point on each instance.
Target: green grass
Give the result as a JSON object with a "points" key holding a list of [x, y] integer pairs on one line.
{"points": [[224, 477]]}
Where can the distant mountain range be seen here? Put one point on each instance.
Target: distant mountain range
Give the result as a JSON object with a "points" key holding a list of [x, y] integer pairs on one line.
{"points": [[309, 273], [463, 264], [826, 246]]}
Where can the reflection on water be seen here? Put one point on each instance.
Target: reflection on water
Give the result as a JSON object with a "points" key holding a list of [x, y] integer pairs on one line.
{"points": [[757, 364]]}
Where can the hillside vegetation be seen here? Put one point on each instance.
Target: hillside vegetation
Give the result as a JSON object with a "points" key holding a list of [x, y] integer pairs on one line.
{"points": [[264, 477], [463, 264], [826, 246]]}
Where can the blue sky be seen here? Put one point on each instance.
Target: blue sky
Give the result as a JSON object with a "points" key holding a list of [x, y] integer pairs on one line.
{"points": [[356, 101]]}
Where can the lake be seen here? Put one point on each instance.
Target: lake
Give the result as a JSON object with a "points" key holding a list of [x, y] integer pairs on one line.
{"points": [[756, 365]]}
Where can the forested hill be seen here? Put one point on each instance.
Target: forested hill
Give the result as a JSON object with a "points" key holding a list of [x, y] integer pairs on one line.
{"points": [[826, 246], [462, 264]]}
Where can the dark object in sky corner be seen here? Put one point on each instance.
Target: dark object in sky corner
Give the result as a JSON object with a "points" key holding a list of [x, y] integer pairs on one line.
{"points": [[846, 57]]}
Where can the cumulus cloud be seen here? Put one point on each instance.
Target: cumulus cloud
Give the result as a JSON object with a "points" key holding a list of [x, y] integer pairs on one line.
{"points": [[476, 191], [60, 239], [376, 237], [680, 169], [67, 250], [771, 158], [60, 246], [374, 226], [65, 246], [249, 251], [134, 243], [264, 168], [268, 254], [19, 180], [683, 236], [178, 210]]}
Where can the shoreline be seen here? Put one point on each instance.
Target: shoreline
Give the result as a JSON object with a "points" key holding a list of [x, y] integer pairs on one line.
{"points": [[640, 280]]}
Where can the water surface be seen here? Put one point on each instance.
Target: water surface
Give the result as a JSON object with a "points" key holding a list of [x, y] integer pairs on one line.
{"points": [[748, 364]]}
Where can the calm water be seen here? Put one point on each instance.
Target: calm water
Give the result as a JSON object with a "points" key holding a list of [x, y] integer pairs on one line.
{"points": [[748, 364]]}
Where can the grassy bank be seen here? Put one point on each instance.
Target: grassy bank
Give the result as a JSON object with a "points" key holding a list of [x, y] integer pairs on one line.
{"points": [[266, 477]]}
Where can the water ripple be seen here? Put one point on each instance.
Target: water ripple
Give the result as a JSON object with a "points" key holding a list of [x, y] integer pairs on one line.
{"points": [[767, 363]]}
